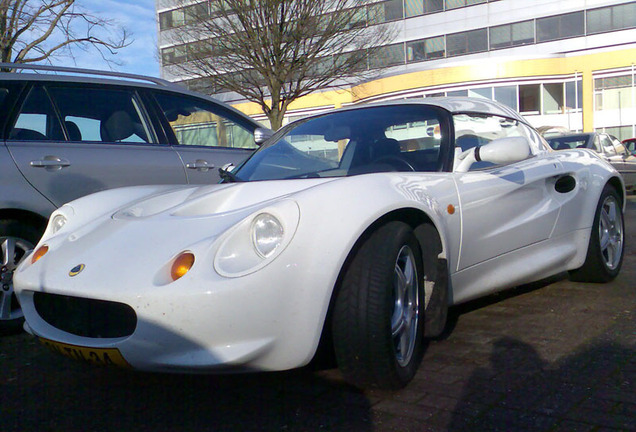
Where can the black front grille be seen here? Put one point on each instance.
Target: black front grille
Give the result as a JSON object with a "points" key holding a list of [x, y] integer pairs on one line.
{"points": [[86, 317]]}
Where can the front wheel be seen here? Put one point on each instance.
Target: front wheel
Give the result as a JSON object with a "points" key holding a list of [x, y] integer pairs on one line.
{"points": [[16, 241], [378, 319], [607, 241]]}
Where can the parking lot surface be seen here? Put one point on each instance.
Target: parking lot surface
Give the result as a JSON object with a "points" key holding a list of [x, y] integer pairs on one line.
{"points": [[551, 356]]}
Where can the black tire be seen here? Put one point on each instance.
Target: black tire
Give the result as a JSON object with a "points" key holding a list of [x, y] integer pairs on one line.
{"points": [[370, 349], [16, 240], [607, 241]]}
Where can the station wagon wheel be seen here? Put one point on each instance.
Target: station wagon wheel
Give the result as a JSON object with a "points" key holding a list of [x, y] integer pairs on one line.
{"points": [[16, 241], [607, 241], [378, 317]]}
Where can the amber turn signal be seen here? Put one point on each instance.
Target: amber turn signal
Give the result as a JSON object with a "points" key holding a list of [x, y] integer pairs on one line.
{"points": [[181, 265], [42, 250]]}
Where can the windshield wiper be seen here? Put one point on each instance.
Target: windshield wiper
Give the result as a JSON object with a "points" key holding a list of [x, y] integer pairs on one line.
{"points": [[228, 177]]}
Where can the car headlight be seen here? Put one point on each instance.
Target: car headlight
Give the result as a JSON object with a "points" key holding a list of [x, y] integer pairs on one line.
{"points": [[57, 222], [257, 240], [267, 234]]}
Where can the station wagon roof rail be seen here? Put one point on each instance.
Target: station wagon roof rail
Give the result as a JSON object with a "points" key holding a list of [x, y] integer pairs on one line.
{"points": [[72, 70]]}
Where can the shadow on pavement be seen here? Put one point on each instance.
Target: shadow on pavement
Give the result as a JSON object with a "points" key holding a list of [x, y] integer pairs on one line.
{"points": [[89, 398], [519, 391]]}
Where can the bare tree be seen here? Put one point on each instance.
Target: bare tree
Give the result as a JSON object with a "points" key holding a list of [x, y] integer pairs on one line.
{"points": [[39, 30], [273, 52]]}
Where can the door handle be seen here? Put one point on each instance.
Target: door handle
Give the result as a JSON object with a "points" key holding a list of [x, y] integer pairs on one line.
{"points": [[200, 165], [50, 163]]}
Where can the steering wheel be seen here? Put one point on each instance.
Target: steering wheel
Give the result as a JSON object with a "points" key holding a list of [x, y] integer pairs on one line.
{"points": [[396, 162]]}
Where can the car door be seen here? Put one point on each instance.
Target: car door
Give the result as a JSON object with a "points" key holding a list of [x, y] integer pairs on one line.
{"points": [[205, 135], [504, 208], [70, 140], [626, 163]]}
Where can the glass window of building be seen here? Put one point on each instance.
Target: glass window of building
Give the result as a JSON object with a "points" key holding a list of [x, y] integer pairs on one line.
{"points": [[425, 49], [171, 19], [454, 4], [460, 93], [175, 54], [552, 98], [386, 11], [611, 18], [509, 35], [421, 7], [529, 98], [573, 95], [388, 55], [507, 95], [614, 93], [485, 92], [196, 13], [560, 26], [467, 42], [620, 132]]}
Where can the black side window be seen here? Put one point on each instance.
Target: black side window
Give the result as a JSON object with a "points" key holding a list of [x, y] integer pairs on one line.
{"points": [[101, 114], [37, 120], [9, 92], [199, 123]]}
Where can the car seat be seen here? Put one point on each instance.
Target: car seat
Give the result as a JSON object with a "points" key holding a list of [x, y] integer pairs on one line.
{"points": [[74, 133]]}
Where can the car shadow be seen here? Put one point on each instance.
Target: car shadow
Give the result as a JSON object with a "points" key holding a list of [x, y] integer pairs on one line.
{"points": [[518, 390], [51, 392]]}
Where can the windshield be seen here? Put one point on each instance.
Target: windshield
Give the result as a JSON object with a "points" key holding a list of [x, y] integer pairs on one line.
{"points": [[352, 142], [569, 142]]}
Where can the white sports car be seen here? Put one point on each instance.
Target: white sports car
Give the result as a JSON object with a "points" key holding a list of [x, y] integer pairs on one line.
{"points": [[352, 230]]}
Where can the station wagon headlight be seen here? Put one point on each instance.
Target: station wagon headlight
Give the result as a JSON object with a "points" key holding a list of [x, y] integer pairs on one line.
{"points": [[257, 240], [267, 234]]}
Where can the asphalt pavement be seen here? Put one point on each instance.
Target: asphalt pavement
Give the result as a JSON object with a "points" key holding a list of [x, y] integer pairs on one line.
{"points": [[551, 356]]}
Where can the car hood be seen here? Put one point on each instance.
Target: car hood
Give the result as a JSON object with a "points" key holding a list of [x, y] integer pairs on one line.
{"points": [[213, 200]]}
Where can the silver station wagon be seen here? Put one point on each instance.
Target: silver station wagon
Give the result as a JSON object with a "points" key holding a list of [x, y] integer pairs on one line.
{"points": [[67, 133]]}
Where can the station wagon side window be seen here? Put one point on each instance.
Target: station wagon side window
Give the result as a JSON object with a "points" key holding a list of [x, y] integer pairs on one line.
{"points": [[110, 115], [37, 120], [608, 147], [198, 123], [472, 129]]}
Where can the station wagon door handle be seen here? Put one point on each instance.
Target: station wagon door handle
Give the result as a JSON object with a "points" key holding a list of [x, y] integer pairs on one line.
{"points": [[200, 165], [50, 163]]}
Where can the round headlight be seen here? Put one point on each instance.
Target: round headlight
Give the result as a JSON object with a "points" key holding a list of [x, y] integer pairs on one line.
{"points": [[57, 223], [267, 234]]}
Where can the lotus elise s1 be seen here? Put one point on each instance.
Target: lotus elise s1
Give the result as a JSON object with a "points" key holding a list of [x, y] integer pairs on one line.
{"points": [[354, 229]]}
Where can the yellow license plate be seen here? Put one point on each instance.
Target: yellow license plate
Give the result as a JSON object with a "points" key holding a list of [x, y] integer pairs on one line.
{"points": [[96, 356]]}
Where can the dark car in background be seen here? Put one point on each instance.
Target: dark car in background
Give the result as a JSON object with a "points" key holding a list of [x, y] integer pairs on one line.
{"points": [[609, 147], [68, 132]]}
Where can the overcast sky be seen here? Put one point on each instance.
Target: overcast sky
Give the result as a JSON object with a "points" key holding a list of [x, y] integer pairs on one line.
{"points": [[139, 18]]}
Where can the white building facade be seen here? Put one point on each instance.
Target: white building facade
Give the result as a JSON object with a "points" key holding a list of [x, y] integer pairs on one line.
{"points": [[567, 63]]}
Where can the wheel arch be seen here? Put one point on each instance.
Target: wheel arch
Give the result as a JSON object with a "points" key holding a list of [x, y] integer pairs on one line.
{"points": [[31, 218], [618, 185], [436, 272]]}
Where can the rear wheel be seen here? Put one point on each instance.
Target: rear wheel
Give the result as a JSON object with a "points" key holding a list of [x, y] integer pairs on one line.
{"points": [[378, 317], [16, 241], [607, 241]]}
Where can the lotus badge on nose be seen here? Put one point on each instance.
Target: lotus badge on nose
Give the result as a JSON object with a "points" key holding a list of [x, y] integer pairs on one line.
{"points": [[76, 270]]}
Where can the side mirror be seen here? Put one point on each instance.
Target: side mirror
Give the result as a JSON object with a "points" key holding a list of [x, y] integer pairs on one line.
{"points": [[262, 134], [500, 151]]}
